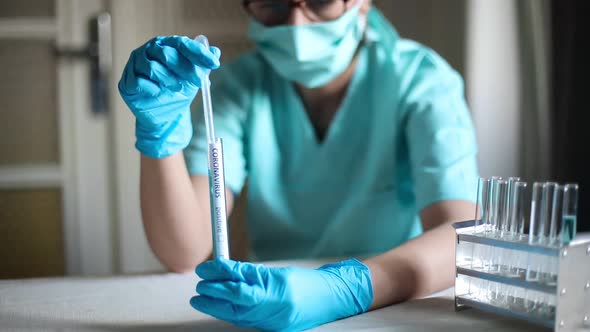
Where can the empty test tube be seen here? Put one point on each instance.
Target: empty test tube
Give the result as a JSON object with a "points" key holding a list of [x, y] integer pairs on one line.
{"points": [[534, 226], [549, 191], [505, 229], [536, 212], [505, 258], [517, 210], [479, 252], [482, 206], [533, 268], [517, 221], [556, 216], [501, 221], [493, 208], [490, 212], [569, 213], [479, 199], [498, 219], [489, 207], [499, 205]]}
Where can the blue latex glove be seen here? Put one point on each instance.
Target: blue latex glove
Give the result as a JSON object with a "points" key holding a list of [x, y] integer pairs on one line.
{"points": [[159, 82], [282, 299]]}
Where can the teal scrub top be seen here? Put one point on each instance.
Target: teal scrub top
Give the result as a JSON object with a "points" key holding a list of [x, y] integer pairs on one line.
{"points": [[401, 140]]}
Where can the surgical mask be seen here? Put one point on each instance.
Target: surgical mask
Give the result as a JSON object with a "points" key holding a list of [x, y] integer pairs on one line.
{"points": [[312, 54]]}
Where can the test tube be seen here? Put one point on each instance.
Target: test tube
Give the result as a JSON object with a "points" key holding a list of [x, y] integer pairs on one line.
{"points": [[543, 237], [482, 208], [491, 205], [478, 202], [501, 206], [546, 211], [500, 196], [216, 171], [506, 227], [495, 208], [517, 210], [517, 221], [480, 252], [536, 212], [534, 226], [569, 213], [487, 252], [549, 190], [533, 268], [556, 215]]}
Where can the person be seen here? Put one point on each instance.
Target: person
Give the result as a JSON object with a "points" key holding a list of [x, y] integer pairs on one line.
{"points": [[354, 143]]}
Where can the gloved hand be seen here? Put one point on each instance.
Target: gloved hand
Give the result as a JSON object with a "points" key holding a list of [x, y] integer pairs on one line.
{"points": [[282, 299], [159, 82]]}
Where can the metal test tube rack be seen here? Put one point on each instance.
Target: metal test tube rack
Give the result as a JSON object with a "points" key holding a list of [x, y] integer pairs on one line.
{"points": [[568, 295]]}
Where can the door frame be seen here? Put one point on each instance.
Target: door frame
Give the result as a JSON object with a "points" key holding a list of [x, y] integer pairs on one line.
{"points": [[85, 154], [84, 158]]}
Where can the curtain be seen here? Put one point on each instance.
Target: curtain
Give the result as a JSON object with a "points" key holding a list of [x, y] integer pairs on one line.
{"points": [[569, 112], [536, 129]]}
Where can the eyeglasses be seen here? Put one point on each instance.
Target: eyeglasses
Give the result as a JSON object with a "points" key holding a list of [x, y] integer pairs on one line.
{"points": [[276, 12]]}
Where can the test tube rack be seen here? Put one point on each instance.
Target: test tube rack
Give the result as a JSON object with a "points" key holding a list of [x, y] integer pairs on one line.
{"points": [[561, 302]]}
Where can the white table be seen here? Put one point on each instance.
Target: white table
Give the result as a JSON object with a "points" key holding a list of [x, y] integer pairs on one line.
{"points": [[159, 302]]}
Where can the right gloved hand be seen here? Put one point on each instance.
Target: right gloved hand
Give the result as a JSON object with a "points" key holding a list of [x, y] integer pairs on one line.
{"points": [[159, 82]]}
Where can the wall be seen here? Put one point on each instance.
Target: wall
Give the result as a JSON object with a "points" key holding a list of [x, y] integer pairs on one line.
{"points": [[493, 78]]}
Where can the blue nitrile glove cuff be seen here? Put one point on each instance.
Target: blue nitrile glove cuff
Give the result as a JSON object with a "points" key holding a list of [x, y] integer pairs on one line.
{"points": [[165, 139], [357, 278]]}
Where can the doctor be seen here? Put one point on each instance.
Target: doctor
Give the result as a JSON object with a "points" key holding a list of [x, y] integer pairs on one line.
{"points": [[355, 143]]}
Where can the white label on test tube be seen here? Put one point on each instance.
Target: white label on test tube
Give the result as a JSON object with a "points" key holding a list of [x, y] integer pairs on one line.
{"points": [[217, 200]]}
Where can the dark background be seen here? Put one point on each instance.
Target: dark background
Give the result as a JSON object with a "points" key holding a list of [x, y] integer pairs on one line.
{"points": [[571, 141]]}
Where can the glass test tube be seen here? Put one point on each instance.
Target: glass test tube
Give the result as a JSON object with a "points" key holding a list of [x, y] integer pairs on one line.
{"points": [[491, 205], [517, 221], [497, 214], [496, 203], [556, 215], [479, 199], [503, 198], [518, 210], [536, 212], [506, 227], [549, 191], [490, 262], [475, 261], [533, 268], [480, 216], [502, 255], [569, 213], [501, 206]]}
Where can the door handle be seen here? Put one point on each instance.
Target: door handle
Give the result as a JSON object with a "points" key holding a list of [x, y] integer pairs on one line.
{"points": [[99, 53]]}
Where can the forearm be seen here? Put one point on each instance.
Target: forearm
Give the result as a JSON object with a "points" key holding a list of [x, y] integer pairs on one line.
{"points": [[417, 268], [176, 221], [422, 265]]}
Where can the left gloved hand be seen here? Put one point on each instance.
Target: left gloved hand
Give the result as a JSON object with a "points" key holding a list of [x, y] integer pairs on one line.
{"points": [[282, 299]]}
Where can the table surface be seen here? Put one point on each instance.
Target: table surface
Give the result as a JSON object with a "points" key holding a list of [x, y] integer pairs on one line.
{"points": [[159, 302]]}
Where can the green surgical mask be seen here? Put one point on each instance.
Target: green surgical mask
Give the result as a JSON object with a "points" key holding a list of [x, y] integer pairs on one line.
{"points": [[312, 54]]}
